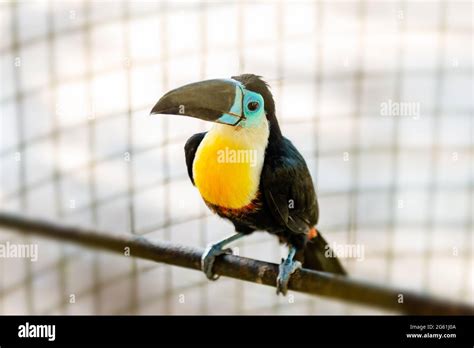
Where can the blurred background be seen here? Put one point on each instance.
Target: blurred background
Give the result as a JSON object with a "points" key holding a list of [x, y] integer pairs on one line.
{"points": [[78, 147]]}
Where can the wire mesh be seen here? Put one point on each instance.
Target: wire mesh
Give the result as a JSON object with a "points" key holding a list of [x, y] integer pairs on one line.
{"points": [[77, 145]]}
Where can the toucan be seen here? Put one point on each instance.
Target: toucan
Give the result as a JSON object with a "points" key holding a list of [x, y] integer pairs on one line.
{"points": [[247, 172]]}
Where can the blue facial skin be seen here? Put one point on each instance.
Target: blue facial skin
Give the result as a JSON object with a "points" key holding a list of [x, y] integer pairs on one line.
{"points": [[253, 117]]}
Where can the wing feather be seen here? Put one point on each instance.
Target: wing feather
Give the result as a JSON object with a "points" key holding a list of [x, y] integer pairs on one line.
{"points": [[190, 149], [288, 189]]}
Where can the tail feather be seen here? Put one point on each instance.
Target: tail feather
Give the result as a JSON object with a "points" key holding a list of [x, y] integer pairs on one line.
{"points": [[317, 256]]}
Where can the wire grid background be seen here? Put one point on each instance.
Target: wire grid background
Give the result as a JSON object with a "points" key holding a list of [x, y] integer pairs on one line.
{"points": [[79, 78]]}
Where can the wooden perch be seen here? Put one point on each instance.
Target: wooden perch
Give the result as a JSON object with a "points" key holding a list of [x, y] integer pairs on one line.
{"points": [[306, 281]]}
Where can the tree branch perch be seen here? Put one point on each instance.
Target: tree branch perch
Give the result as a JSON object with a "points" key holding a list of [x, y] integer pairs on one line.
{"points": [[306, 281]]}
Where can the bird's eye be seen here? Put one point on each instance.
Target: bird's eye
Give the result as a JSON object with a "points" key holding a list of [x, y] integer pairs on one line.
{"points": [[252, 106]]}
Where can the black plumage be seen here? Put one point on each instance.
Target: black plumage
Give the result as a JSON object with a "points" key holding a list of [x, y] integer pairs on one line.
{"points": [[286, 204]]}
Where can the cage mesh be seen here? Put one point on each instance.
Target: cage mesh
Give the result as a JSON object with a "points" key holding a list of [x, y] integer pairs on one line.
{"points": [[78, 146]]}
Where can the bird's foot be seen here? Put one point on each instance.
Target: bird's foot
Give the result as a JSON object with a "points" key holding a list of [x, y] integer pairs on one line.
{"points": [[286, 269], [208, 258]]}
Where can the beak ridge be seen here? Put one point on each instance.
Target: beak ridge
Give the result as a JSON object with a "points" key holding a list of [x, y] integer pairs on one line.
{"points": [[208, 100]]}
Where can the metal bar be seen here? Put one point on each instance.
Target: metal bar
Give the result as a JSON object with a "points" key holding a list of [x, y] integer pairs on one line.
{"points": [[393, 189], [433, 183], [307, 281], [91, 143], [21, 145], [165, 134], [56, 137], [133, 305]]}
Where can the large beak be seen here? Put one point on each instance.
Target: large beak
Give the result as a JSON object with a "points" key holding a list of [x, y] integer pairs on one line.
{"points": [[211, 100]]}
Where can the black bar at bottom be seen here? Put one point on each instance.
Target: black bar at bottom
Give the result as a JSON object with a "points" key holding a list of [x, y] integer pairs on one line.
{"points": [[222, 330]]}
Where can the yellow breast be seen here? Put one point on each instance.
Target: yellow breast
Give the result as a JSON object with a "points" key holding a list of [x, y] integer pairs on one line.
{"points": [[227, 167]]}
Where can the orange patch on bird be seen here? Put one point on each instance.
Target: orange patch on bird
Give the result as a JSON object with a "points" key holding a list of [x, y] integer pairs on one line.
{"points": [[252, 207], [312, 233]]}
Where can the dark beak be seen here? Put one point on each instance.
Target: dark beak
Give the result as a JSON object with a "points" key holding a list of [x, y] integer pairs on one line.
{"points": [[211, 100]]}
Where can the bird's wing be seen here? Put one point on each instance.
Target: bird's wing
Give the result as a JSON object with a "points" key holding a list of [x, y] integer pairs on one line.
{"points": [[190, 149], [288, 189]]}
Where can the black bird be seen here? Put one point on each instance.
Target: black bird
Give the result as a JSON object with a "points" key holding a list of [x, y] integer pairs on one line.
{"points": [[248, 172]]}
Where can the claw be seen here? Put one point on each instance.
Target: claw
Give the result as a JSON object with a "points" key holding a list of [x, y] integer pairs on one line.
{"points": [[286, 269], [209, 257]]}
